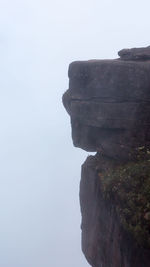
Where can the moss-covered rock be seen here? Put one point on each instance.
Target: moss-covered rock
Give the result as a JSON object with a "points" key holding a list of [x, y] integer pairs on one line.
{"points": [[128, 188]]}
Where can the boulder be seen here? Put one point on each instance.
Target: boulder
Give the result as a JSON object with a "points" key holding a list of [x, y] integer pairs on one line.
{"points": [[142, 53]]}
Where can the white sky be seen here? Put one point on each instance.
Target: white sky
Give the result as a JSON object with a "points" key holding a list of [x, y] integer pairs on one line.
{"points": [[39, 168]]}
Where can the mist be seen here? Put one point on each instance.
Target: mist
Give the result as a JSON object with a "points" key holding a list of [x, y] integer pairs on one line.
{"points": [[40, 168]]}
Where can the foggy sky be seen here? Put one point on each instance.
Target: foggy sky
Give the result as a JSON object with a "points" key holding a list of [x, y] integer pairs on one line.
{"points": [[39, 167]]}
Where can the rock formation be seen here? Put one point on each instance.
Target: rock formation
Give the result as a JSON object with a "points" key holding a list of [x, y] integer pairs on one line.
{"points": [[135, 53], [109, 105]]}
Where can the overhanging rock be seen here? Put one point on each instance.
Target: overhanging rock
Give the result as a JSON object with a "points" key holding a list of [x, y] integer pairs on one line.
{"points": [[108, 101]]}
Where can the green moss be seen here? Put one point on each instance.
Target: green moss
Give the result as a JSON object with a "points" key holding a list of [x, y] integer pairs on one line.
{"points": [[128, 187]]}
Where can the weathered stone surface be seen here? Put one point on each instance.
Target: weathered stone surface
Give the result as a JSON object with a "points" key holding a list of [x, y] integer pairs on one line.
{"points": [[142, 53], [104, 241], [109, 105], [108, 101]]}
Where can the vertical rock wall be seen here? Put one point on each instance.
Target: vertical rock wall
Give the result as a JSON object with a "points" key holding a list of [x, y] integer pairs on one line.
{"points": [[109, 105]]}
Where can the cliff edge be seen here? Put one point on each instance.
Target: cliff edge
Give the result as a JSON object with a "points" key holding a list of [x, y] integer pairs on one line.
{"points": [[109, 105]]}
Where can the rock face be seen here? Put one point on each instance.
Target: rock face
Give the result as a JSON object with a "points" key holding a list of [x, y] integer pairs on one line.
{"points": [[109, 105], [108, 101], [105, 242], [135, 53]]}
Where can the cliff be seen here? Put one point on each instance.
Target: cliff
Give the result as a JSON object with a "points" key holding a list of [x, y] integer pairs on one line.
{"points": [[109, 105]]}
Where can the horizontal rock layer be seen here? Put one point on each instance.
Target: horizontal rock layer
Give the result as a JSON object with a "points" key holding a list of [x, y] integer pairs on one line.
{"points": [[109, 105], [142, 53]]}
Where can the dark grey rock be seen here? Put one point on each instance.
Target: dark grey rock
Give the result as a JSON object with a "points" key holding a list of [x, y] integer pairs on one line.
{"points": [[104, 241], [109, 105], [142, 53]]}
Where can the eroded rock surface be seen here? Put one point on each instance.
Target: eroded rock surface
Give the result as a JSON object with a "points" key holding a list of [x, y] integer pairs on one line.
{"points": [[142, 53], [109, 105], [105, 241], [108, 101]]}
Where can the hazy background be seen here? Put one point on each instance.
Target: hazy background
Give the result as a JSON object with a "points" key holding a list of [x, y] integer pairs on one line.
{"points": [[39, 168]]}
